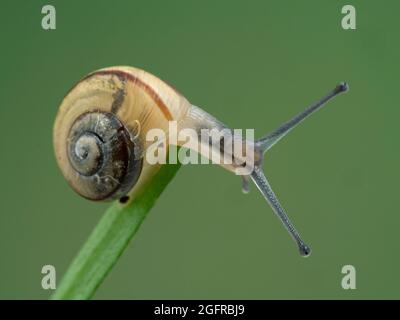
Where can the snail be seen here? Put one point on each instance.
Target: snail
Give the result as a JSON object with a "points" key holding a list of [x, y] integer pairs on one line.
{"points": [[100, 136]]}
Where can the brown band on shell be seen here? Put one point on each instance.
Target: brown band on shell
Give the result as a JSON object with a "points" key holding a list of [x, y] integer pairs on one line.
{"points": [[119, 97], [135, 80]]}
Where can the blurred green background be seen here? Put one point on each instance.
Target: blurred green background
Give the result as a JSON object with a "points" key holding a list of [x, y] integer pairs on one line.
{"points": [[252, 64]]}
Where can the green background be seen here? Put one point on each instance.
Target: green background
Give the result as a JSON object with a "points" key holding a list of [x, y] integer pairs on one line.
{"points": [[252, 64]]}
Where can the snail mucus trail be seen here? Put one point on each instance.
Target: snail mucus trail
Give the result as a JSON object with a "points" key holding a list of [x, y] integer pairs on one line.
{"points": [[100, 136]]}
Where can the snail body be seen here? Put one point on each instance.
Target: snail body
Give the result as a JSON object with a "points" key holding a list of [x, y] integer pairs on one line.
{"points": [[101, 127]]}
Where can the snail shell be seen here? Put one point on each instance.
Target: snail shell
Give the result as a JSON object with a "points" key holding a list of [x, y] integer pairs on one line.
{"points": [[99, 132]]}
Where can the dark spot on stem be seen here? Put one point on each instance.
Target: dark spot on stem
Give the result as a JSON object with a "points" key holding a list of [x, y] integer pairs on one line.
{"points": [[124, 199]]}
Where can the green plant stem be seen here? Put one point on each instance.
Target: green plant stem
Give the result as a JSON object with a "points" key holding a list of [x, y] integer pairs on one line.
{"points": [[109, 239]]}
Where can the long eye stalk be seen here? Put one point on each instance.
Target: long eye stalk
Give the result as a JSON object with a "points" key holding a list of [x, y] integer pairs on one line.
{"points": [[266, 142]]}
